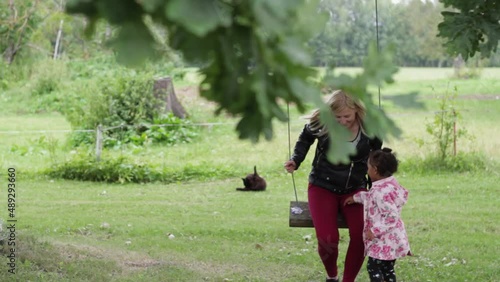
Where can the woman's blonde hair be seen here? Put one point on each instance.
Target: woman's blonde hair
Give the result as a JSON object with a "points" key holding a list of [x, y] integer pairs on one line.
{"points": [[337, 101]]}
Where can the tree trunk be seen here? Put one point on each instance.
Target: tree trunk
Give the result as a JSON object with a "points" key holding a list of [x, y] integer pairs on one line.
{"points": [[58, 40], [164, 89], [10, 53], [107, 33]]}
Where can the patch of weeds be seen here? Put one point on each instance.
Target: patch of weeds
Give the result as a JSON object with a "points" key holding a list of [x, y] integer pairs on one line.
{"points": [[166, 129], [42, 145], [462, 162], [121, 169], [111, 170]]}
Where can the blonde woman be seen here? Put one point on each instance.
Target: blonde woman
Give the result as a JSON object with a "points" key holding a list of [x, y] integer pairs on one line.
{"points": [[330, 184]]}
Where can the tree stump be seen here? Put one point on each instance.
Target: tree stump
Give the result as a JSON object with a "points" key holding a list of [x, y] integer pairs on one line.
{"points": [[459, 65], [164, 89]]}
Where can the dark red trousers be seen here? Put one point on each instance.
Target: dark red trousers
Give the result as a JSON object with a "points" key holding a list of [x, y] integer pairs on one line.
{"points": [[324, 206]]}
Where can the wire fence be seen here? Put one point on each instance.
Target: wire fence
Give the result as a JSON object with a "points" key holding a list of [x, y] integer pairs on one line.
{"points": [[204, 124], [100, 130], [201, 124]]}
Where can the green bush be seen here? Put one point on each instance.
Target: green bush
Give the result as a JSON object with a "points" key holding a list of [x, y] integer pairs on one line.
{"points": [[46, 84], [113, 98], [123, 102]]}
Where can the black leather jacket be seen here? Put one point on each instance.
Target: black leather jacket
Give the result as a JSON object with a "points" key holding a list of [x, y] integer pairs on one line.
{"points": [[338, 178]]}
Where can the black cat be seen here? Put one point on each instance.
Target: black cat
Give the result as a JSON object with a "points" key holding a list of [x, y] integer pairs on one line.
{"points": [[253, 182]]}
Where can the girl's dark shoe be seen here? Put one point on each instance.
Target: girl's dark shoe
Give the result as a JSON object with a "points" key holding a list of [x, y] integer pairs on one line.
{"points": [[331, 280]]}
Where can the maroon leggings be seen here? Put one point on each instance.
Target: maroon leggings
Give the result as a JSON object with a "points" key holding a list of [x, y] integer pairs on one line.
{"points": [[324, 206]]}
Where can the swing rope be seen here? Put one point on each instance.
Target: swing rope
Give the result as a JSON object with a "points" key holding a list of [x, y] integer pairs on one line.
{"points": [[296, 210], [378, 44], [290, 152]]}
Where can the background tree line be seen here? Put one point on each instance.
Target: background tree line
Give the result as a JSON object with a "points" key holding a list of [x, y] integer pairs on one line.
{"points": [[412, 25], [29, 30]]}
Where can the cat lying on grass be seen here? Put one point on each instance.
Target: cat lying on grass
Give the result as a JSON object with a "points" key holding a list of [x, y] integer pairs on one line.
{"points": [[253, 182]]}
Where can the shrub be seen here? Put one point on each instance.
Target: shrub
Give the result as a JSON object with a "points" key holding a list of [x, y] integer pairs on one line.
{"points": [[124, 103], [443, 127], [46, 84]]}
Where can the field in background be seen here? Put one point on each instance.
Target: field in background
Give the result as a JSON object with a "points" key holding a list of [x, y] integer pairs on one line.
{"points": [[422, 74], [206, 231]]}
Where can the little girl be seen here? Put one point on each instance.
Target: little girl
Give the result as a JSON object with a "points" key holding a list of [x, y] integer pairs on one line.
{"points": [[384, 233]]}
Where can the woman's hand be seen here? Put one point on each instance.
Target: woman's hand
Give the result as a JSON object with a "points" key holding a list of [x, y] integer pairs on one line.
{"points": [[290, 166], [349, 200]]}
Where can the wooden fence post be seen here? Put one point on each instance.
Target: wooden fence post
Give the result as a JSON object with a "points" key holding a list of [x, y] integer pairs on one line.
{"points": [[98, 143]]}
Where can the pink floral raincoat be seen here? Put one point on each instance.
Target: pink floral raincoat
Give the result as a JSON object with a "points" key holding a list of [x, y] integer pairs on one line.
{"points": [[382, 211]]}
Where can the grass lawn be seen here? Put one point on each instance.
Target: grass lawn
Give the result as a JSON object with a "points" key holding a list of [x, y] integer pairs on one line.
{"points": [[206, 231]]}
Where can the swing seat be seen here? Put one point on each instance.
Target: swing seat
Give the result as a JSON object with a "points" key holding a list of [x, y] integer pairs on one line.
{"points": [[304, 219]]}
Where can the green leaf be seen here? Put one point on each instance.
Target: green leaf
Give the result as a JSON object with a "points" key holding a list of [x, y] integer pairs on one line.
{"points": [[259, 88], [120, 11], [378, 124], [338, 151], [151, 6], [295, 51], [475, 28], [189, 44], [270, 15], [133, 44], [378, 66], [87, 8], [199, 16], [250, 127], [253, 54], [378, 69], [310, 21]]}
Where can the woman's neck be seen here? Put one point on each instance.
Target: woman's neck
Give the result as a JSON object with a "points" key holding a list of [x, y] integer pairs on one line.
{"points": [[354, 129]]}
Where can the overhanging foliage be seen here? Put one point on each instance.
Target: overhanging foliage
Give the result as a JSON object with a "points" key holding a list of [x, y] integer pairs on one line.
{"points": [[253, 55], [475, 27]]}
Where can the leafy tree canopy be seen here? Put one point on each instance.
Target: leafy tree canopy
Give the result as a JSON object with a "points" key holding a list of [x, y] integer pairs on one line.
{"points": [[253, 55], [472, 26]]}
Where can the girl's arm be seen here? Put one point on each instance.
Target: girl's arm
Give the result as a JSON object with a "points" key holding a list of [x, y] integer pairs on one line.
{"points": [[360, 197]]}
